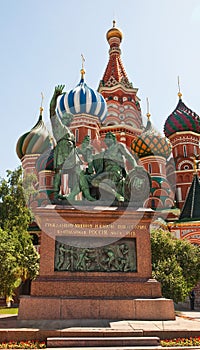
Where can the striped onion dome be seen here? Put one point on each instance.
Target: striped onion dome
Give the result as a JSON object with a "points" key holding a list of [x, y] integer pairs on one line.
{"points": [[151, 143], [182, 119], [36, 141], [82, 100], [45, 161]]}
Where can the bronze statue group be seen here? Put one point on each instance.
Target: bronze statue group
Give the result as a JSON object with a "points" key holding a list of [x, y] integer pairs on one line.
{"points": [[106, 172]]}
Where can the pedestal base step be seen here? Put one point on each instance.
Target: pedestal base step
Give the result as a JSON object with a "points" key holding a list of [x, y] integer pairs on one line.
{"points": [[62, 308], [67, 342], [116, 348]]}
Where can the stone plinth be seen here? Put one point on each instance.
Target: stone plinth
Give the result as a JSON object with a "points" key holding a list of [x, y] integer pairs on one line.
{"points": [[60, 308], [95, 263]]}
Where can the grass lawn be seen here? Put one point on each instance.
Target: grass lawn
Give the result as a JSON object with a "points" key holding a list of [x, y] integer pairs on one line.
{"points": [[8, 310]]}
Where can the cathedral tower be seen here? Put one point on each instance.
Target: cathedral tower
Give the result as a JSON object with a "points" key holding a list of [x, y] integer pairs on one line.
{"points": [[124, 114], [182, 128]]}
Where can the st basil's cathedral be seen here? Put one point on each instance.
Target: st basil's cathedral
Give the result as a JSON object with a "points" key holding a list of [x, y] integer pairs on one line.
{"points": [[170, 159]]}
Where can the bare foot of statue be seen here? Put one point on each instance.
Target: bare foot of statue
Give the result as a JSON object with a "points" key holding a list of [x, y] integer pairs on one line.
{"points": [[119, 197]]}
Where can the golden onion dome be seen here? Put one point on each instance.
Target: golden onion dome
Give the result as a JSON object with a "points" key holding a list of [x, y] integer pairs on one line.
{"points": [[114, 33]]}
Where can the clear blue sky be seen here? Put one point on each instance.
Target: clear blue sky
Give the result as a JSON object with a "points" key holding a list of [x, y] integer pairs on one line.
{"points": [[41, 42]]}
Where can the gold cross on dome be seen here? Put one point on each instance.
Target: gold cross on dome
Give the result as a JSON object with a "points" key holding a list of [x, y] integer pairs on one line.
{"points": [[83, 61], [148, 114], [179, 90], [41, 108], [42, 99]]}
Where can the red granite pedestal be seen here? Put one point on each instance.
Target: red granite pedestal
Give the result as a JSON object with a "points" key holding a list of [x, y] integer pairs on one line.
{"points": [[67, 294]]}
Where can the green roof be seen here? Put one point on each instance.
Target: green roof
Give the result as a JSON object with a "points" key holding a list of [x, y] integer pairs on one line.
{"points": [[191, 207]]}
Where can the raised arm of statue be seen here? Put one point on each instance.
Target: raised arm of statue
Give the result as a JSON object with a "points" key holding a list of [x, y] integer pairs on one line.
{"points": [[59, 127], [57, 92]]}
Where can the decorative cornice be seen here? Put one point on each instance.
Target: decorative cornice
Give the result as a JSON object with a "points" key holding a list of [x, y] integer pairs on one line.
{"points": [[121, 127]]}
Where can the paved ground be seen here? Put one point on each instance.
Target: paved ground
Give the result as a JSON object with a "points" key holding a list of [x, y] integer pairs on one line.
{"points": [[186, 324], [185, 321]]}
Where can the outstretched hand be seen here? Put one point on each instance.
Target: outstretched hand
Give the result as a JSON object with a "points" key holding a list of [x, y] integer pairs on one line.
{"points": [[58, 90]]}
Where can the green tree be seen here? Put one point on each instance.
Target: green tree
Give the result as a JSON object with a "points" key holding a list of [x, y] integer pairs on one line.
{"points": [[175, 264], [13, 210], [18, 257], [8, 263]]}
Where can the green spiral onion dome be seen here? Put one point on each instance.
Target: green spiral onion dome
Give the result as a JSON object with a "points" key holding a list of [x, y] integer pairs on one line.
{"points": [[151, 143], [182, 119], [36, 141]]}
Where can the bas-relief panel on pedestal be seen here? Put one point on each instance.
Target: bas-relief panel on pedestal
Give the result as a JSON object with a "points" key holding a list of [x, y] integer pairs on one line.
{"points": [[120, 256]]}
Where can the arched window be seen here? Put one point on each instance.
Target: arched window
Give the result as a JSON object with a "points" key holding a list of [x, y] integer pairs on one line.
{"points": [[149, 168], [179, 194], [186, 178], [185, 151], [180, 178], [77, 135], [35, 239]]}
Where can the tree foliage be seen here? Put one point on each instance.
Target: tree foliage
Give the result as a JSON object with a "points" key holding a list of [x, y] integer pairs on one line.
{"points": [[13, 210], [18, 257], [175, 263]]}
